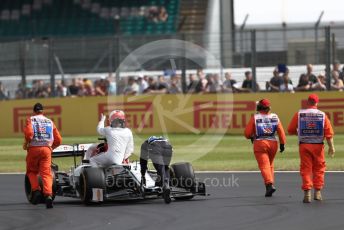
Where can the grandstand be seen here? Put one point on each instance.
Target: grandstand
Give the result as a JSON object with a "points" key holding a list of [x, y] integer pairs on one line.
{"points": [[66, 39], [44, 18]]}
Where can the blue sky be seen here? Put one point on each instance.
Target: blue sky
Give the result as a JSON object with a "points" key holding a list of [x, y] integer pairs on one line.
{"points": [[290, 11]]}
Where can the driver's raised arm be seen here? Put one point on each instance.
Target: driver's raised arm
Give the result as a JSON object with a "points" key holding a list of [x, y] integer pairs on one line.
{"points": [[100, 126]]}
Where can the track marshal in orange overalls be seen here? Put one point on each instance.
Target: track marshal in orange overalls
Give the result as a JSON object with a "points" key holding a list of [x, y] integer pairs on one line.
{"points": [[41, 136], [312, 126], [262, 129]]}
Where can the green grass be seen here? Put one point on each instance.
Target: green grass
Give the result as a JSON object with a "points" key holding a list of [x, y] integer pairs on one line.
{"points": [[207, 152]]}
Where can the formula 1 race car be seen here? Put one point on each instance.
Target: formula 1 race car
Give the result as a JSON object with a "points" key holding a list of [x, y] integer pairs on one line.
{"points": [[116, 182]]}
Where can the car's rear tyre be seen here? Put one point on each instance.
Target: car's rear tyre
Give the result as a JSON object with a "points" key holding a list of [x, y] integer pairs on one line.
{"points": [[90, 178], [183, 175], [27, 186]]}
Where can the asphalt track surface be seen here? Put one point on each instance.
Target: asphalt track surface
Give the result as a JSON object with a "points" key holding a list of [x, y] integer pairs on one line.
{"points": [[241, 206]]}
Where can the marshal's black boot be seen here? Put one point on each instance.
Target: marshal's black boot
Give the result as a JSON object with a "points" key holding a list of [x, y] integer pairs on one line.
{"points": [[270, 189]]}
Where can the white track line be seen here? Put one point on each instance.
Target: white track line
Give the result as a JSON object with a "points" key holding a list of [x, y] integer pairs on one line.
{"points": [[200, 172], [258, 172], [12, 173]]}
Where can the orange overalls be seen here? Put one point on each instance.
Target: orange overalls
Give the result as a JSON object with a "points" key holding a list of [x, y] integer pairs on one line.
{"points": [[41, 136], [262, 127], [315, 126]]}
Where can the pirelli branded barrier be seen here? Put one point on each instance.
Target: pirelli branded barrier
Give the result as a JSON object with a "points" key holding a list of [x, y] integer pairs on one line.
{"points": [[222, 113]]}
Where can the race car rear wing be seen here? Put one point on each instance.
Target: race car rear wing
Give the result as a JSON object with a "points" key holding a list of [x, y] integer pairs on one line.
{"points": [[70, 150]]}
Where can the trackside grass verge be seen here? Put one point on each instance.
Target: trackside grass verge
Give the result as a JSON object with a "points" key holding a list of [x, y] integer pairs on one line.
{"points": [[212, 152]]}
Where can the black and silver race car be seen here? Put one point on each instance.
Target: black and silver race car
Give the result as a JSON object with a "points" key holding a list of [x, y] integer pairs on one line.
{"points": [[116, 182]]}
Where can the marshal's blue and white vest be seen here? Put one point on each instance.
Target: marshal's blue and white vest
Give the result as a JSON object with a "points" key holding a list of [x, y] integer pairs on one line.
{"points": [[311, 126], [266, 126], [42, 131]]}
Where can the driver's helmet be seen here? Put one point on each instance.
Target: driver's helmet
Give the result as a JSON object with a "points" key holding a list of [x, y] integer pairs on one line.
{"points": [[117, 116]]}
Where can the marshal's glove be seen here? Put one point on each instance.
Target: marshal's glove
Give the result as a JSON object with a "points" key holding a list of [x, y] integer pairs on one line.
{"points": [[282, 148]]}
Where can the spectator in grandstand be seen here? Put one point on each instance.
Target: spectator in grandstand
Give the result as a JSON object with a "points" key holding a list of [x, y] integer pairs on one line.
{"points": [[32, 89], [61, 89], [286, 75], [121, 84], [195, 85], [157, 14], [304, 83], [87, 88], [82, 90], [341, 75], [162, 84], [320, 85], [154, 87], [105, 84], [3, 94], [248, 83], [112, 88], [37, 89], [218, 83], [210, 87], [47, 92], [275, 82], [101, 86], [74, 87], [228, 84], [311, 77], [153, 14], [132, 87], [336, 67], [286, 86], [143, 84], [162, 17], [214, 84], [20, 92], [337, 84], [202, 78], [175, 85]]}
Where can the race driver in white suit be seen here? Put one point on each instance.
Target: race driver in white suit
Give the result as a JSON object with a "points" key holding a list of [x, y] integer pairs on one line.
{"points": [[119, 146]]}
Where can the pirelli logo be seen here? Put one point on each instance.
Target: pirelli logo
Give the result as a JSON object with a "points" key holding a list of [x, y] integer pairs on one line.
{"points": [[20, 114], [139, 115], [222, 114], [334, 109]]}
